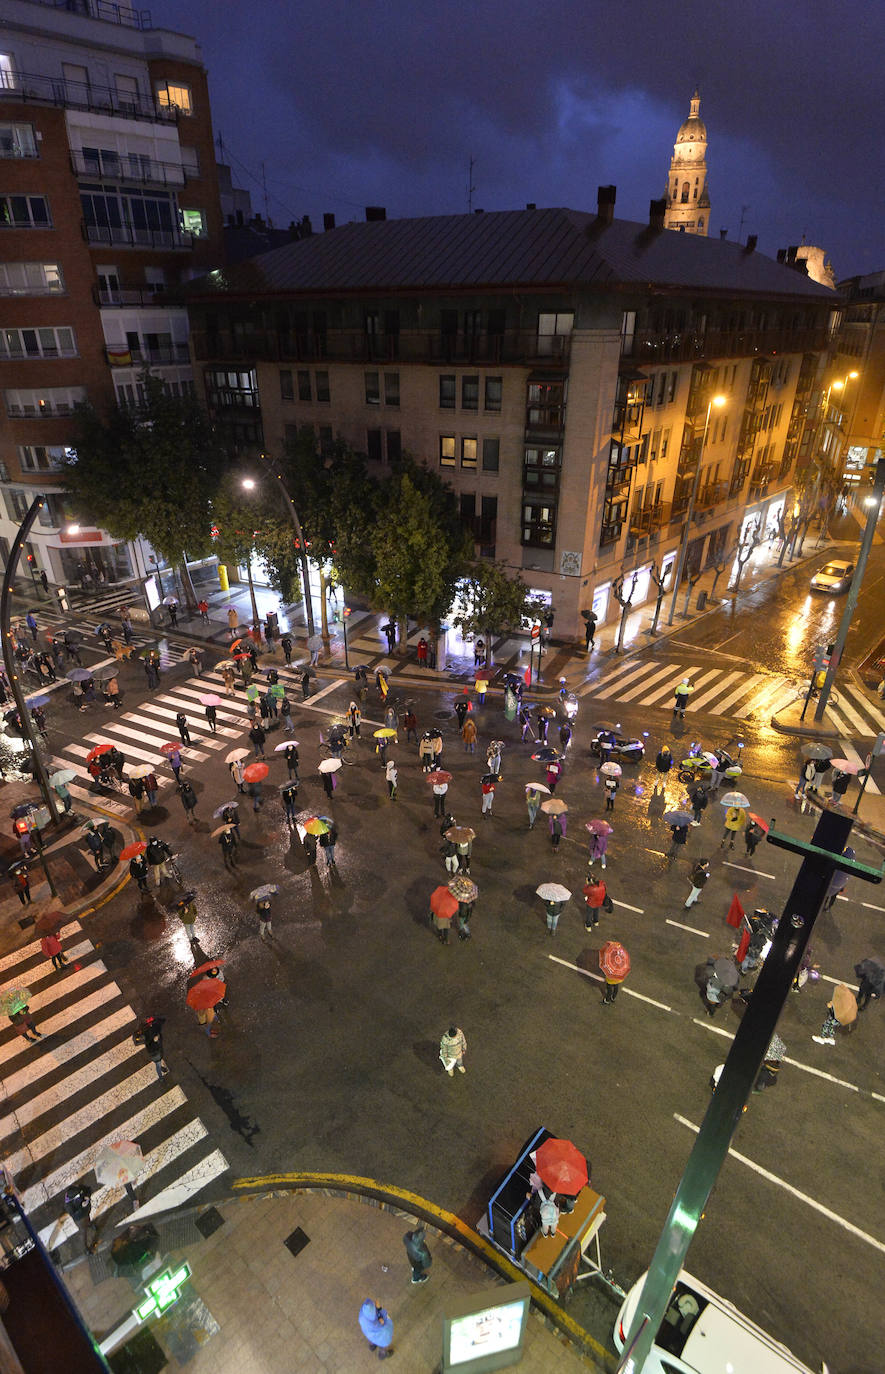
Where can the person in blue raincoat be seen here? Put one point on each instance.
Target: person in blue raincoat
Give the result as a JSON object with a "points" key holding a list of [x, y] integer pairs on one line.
{"points": [[376, 1325]]}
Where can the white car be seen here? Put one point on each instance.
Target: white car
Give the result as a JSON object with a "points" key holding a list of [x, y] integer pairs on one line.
{"points": [[833, 577], [703, 1334]]}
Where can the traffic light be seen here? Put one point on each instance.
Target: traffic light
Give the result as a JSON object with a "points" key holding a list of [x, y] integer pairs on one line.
{"points": [[821, 657], [31, 559]]}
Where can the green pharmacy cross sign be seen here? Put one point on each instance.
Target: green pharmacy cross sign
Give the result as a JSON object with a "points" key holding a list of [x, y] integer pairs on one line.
{"points": [[162, 1292]]}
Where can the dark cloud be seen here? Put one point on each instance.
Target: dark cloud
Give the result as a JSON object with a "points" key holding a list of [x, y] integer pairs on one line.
{"points": [[349, 103]]}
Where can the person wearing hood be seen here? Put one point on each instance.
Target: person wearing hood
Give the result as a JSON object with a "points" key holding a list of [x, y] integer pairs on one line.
{"points": [[598, 847], [354, 718], [236, 771], [376, 1325], [735, 820], [663, 764], [420, 1257], [390, 774]]}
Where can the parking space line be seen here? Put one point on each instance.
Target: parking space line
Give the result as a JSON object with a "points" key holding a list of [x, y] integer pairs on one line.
{"points": [[794, 1063], [743, 867], [691, 929], [789, 1188]]}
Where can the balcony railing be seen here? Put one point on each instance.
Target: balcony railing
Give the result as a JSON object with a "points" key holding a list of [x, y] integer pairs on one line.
{"points": [[128, 236], [129, 296], [650, 518], [105, 10], [354, 346], [649, 347], [83, 95], [133, 357], [610, 531], [128, 167], [710, 495]]}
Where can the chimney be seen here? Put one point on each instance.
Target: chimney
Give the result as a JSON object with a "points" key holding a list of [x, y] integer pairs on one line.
{"points": [[782, 255], [605, 204], [375, 212], [328, 222], [656, 211], [723, 234], [750, 245], [530, 205]]}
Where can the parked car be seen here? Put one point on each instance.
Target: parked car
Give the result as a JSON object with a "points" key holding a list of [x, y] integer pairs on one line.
{"points": [[627, 748], [703, 1334], [833, 577]]}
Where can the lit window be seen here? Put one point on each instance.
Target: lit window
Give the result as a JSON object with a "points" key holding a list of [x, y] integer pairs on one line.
{"points": [[447, 450], [175, 97], [194, 222], [468, 453]]}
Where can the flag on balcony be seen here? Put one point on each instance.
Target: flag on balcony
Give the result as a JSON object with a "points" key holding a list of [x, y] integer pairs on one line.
{"points": [[119, 357]]}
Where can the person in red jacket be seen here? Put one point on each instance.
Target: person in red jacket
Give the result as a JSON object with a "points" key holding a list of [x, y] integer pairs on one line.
{"points": [[595, 894], [51, 948]]}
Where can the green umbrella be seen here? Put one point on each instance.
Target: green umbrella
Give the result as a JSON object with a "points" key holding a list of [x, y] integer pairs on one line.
{"points": [[278, 690], [251, 692], [13, 999]]}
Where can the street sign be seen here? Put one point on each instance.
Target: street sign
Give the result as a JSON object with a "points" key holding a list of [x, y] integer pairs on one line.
{"points": [[536, 631]]}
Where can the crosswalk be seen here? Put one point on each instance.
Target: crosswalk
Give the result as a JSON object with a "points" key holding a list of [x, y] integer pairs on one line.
{"points": [[171, 651], [735, 693], [84, 1085]]}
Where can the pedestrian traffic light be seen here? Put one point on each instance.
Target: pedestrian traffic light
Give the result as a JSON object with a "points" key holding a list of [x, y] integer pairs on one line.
{"points": [[821, 657], [31, 559]]}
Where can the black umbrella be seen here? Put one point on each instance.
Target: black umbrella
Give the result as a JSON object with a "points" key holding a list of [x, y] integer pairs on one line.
{"points": [[874, 972], [24, 809], [490, 777], [308, 672], [547, 755]]}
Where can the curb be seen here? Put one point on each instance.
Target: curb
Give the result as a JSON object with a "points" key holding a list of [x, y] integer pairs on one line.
{"points": [[802, 731], [407, 1204]]}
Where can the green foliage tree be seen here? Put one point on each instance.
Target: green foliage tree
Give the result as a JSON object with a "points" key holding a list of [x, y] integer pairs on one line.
{"points": [[150, 471], [490, 602]]}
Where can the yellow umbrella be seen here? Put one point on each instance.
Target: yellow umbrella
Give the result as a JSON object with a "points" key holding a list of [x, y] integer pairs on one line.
{"points": [[384, 733]]}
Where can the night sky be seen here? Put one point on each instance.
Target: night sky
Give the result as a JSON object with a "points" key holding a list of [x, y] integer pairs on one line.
{"points": [[350, 103]]}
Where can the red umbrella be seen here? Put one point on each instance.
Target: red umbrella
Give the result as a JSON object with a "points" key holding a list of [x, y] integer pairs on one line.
{"points": [[256, 772], [237, 643], [561, 1166], [50, 921], [614, 960], [443, 904], [439, 775], [206, 993], [98, 751], [204, 968], [758, 820], [133, 850], [483, 675], [170, 748]]}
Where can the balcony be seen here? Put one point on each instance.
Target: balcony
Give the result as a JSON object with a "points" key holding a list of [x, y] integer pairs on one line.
{"points": [[355, 346], [627, 422], [148, 357], [710, 495], [650, 347], [649, 519], [83, 95], [143, 170], [122, 296], [128, 236], [105, 10], [610, 532]]}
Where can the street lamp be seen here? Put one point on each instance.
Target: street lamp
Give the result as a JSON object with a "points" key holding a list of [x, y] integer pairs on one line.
{"points": [[718, 402], [249, 483]]}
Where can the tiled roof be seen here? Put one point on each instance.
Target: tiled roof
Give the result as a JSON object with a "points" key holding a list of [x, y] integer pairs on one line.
{"points": [[508, 248]]}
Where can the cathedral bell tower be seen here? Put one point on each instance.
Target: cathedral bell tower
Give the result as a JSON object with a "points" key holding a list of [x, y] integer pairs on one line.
{"points": [[688, 205]]}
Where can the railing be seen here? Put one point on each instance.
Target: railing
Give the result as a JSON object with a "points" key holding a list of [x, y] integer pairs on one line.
{"points": [[128, 236], [343, 345], [710, 495], [650, 518], [83, 95], [131, 357], [129, 296], [610, 531], [649, 347], [128, 167], [104, 10]]}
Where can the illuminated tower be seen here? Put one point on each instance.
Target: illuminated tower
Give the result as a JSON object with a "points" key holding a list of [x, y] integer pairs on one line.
{"points": [[688, 205]]}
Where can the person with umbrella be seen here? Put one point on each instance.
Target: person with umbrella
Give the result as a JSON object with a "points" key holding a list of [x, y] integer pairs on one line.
{"points": [[488, 793], [262, 898], [678, 822], [599, 837], [189, 801], [328, 841], [557, 824], [610, 783], [136, 791], [236, 771], [330, 782], [698, 879], [735, 818], [290, 754], [841, 1011], [449, 851], [721, 979], [767, 1075], [138, 869], [589, 630], [753, 833], [289, 794], [227, 677], [186, 909], [23, 1021], [552, 774], [554, 898], [440, 787], [443, 906], [464, 839], [94, 845], [211, 714], [533, 794], [614, 961], [871, 973]]}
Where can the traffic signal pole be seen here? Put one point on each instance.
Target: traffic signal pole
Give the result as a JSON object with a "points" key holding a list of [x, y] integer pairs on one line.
{"points": [[820, 859], [854, 589]]}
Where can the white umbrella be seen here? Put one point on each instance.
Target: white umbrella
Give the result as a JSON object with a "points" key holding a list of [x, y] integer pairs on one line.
{"points": [[315, 642], [841, 766], [170, 600], [278, 748], [329, 766], [734, 799], [141, 770], [119, 1162], [537, 787], [266, 890], [553, 892], [611, 770], [236, 754]]}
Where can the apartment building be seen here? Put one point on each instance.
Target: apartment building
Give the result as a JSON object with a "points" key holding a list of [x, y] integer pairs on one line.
{"points": [[554, 366], [108, 197], [858, 409]]}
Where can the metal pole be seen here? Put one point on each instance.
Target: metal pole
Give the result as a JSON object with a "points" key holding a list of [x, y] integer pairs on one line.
{"points": [[683, 547], [302, 551], [854, 589], [757, 1026], [27, 724], [344, 614]]}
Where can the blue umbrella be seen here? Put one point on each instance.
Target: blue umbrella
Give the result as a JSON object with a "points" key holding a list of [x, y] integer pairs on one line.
{"points": [[677, 817], [221, 809], [78, 675], [31, 702]]}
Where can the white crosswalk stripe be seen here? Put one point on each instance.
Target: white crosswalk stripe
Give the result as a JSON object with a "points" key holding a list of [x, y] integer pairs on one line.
{"points": [[84, 1085]]}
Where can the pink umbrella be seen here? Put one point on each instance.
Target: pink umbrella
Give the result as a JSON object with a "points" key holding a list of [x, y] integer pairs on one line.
{"points": [[211, 700], [598, 827]]}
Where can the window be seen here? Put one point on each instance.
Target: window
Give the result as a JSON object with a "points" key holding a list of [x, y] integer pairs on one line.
{"points": [[665, 442], [469, 393], [324, 435], [24, 212], [447, 450], [304, 391], [171, 97], [467, 506], [655, 446], [17, 140], [228, 389], [628, 332], [321, 380], [7, 75], [372, 323], [662, 387], [394, 446], [373, 389], [447, 392], [391, 388], [541, 468], [490, 452], [194, 222], [671, 390], [190, 161], [494, 391], [539, 524], [468, 453], [373, 445], [17, 504], [37, 343], [127, 90], [287, 390], [553, 330], [30, 279], [44, 401], [546, 405], [37, 458]]}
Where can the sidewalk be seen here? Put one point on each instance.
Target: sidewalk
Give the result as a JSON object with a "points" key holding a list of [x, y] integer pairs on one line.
{"points": [[276, 1287]]}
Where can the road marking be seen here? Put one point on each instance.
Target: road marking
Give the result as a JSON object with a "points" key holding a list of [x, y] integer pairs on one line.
{"points": [[317, 696], [597, 978], [692, 929], [788, 1187], [755, 871], [745, 688], [626, 905], [727, 681], [666, 671], [794, 1063]]}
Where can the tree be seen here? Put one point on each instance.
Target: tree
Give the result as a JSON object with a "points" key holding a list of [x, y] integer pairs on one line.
{"points": [[490, 602], [723, 560], [660, 579], [149, 471], [748, 542], [625, 602], [238, 522]]}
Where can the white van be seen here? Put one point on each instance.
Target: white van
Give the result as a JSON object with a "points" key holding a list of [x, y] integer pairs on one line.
{"points": [[703, 1334]]}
